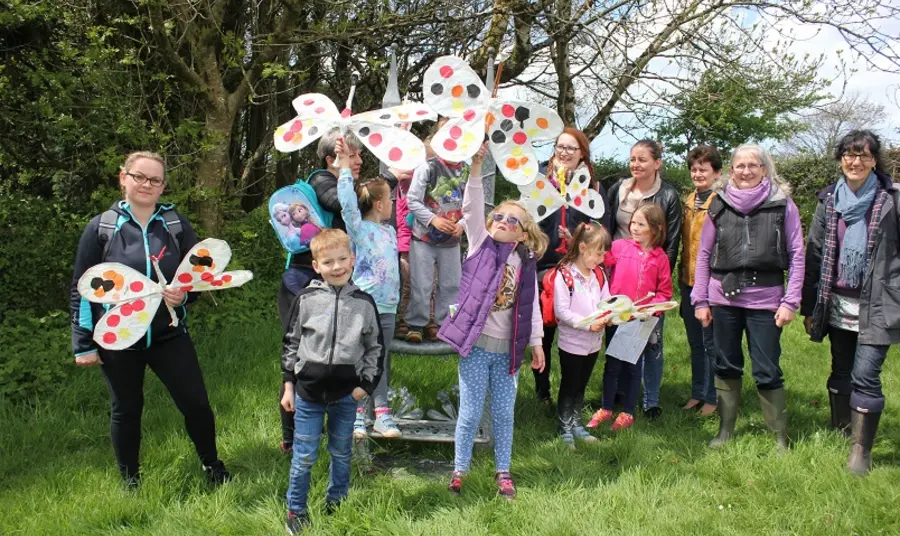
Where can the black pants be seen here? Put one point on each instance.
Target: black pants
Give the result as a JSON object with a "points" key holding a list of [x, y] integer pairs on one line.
{"points": [[856, 370], [763, 341], [175, 363], [542, 379], [576, 371]]}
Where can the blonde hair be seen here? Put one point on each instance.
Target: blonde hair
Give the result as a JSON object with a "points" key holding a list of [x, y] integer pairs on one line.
{"points": [[370, 191], [137, 155], [592, 235], [535, 239], [656, 220], [327, 239]]}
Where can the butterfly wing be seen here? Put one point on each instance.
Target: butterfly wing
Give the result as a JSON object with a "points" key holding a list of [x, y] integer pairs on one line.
{"points": [[541, 198], [204, 262], [126, 323], [221, 281], [111, 282], [396, 147], [316, 115], [512, 127], [581, 197], [451, 87], [404, 113], [460, 137]]}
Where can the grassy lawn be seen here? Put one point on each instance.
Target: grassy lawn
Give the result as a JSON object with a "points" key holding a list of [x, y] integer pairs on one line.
{"points": [[58, 476]]}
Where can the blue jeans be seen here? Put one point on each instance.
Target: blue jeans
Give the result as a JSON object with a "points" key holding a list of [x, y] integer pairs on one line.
{"points": [[763, 341], [653, 367], [703, 351], [856, 370], [478, 371], [308, 419]]}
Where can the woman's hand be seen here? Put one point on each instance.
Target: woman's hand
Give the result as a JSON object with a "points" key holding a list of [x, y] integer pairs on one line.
{"points": [[88, 360], [537, 358], [783, 316], [174, 297], [808, 325], [704, 315]]}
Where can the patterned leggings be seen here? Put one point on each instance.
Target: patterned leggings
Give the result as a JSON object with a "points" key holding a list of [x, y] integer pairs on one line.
{"points": [[478, 371]]}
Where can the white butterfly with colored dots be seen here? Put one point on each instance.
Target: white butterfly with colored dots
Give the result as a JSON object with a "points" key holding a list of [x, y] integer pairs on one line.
{"points": [[453, 89], [542, 199], [317, 114], [138, 297]]}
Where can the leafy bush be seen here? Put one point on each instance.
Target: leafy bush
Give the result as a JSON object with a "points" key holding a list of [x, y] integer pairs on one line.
{"points": [[807, 174], [36, 352]]}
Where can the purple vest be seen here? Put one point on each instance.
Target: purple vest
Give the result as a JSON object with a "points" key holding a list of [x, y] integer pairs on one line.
{"points": [[482, 274]]}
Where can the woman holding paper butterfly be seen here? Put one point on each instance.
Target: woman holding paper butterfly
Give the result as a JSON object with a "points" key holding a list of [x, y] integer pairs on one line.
{"points": [[751, 237], [141, 227]]}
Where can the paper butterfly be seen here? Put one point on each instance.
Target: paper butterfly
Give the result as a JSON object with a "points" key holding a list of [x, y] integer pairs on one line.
{"points": [[316, 115], [542, 199], [453, 89], [622, 310], [138, 297]]}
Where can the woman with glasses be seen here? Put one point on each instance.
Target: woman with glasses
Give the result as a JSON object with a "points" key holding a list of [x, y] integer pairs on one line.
{"points": [[128, 233], [751, 237], [851, 291], [572, 153], [646, 185]]}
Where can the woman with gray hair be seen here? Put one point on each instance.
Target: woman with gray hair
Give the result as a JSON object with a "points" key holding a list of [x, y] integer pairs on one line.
{"points": [[850, 292], [751, 237]]}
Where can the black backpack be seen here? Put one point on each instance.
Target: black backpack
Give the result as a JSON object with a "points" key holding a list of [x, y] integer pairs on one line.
{"points": [[107, 229]]}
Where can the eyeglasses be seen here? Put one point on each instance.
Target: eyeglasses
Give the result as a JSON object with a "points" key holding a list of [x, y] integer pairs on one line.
{"points": [[141, 179], [499, 217], [849, 158], [566, 149], [748, 167]]}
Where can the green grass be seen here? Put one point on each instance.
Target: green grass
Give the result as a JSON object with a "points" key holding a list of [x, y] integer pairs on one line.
{"points": [[58, 476]]}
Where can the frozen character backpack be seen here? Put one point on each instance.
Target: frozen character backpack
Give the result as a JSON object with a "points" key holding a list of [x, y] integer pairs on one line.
{"points": [[296, 216]]}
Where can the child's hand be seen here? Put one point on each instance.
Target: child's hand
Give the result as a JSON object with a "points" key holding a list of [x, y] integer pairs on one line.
{"points": [[443, 225], [358, 394], [343, 153], [457, 230], [287, 400], [599, 324], [401, 174], [564, 233], [537, 358], [478, 158]]}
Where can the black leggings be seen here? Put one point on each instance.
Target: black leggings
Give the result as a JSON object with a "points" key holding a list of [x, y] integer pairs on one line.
{"points": [[175, 363], [576, 371]]}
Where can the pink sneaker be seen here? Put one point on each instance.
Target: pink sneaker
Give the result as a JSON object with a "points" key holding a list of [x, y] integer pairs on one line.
{"points": [[623, 421], [601, 415], [505, 486]]}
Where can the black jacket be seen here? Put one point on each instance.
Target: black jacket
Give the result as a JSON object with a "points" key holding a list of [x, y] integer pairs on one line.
{"points": [[131, 247], [879, 312], [667, 197]]}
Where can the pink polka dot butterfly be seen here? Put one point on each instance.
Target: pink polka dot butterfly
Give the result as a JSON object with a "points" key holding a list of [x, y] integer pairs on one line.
{"points": [[317, 114], [542, 198], [454, 90], [137, 297]]}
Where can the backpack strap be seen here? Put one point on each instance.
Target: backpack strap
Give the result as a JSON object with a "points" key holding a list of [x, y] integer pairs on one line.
{"points": [[175, 228], [106, 230], [567, 278]]}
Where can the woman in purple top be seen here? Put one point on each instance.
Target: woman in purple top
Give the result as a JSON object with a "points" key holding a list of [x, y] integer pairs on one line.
{"points": [[750, 239], [851, 291]]}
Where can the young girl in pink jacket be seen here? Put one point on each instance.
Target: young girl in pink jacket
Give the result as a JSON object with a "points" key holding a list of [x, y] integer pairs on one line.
{"points": [[639, 266], [579, 286]]}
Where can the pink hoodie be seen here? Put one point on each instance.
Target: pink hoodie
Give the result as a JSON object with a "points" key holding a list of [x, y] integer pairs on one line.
{"points": [[404, 232], [635, 272]]}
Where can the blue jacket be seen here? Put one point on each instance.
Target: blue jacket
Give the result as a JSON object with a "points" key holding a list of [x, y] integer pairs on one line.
{"points": [[132, 246]]}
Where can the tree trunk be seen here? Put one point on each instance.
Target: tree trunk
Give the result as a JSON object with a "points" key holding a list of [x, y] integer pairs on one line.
{"points": [[213, 169]]}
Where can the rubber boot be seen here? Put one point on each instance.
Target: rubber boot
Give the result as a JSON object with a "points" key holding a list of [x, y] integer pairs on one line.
{"points": [[840, 412], [578, 429], [729, 396], [564, 418], [863, 427], [774, 408]]}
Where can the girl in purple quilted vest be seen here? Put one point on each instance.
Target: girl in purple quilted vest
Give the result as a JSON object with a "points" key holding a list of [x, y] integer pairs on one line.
{"points": [[497, 315]]}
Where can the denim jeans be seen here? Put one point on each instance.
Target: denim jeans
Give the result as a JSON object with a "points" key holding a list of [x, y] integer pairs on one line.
{"points": [[763, 341], [308, 419], [703, 351], [653, 367], [856, 370]]}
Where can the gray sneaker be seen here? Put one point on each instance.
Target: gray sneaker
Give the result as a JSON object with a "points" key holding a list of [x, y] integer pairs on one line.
{"points": [[385, 425]]}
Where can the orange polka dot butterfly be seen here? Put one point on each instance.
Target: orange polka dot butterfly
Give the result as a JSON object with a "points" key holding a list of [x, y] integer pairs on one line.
{"points": [[454, 90], [137, 297], [542, 199], [317, 114]]}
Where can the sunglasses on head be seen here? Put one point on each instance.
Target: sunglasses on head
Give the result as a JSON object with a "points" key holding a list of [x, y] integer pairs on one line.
{"points": [[499, 217]]}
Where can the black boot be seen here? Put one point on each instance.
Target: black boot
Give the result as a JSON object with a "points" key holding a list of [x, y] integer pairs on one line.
{"points": [[774, 408], [840, 412], [729, 397], [578, 429], [565, 419], [863, 427]]}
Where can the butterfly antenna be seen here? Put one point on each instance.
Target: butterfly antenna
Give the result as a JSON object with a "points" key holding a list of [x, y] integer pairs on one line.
{"points": [[489, 76]]}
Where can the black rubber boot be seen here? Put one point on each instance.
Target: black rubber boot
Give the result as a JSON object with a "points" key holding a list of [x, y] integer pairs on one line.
{"points": [[840, 412], [863, 427], [774, 408], [565, 419], [729, 396]]}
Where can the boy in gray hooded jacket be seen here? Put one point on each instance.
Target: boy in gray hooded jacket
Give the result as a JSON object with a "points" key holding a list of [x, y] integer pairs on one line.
{"points": [[332, 357]]}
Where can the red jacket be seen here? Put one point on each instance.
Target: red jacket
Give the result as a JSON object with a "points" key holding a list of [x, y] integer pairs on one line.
{"points": [[635, 272]]}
